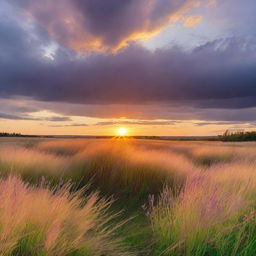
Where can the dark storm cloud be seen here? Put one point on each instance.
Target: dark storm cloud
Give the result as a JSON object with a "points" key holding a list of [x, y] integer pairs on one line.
{"points": [[223, 70], [219, 74], [169, 111], [99, 24], [245, 102]]}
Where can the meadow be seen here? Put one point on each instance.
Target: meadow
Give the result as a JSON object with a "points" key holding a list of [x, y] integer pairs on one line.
{"points": [[124, 197]]}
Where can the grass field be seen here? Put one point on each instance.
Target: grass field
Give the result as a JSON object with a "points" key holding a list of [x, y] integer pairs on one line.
{"points": [[118, 197]]}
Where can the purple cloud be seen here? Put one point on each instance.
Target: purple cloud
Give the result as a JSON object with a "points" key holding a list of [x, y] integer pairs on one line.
{"points": [[29, 117], [102, 25], [217, 75], [219, 70]]}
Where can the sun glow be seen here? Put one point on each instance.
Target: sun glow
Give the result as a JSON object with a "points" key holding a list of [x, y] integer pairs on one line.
{"points": [[122, 131]]}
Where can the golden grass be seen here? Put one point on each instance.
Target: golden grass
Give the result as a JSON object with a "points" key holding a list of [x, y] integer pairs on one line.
{"points": [[201, 194], [28, 161], [37, 221]]}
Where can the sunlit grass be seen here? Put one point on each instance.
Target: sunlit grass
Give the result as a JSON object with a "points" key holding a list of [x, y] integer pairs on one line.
{"points": [[186, 198], [214, 214], [37, 221], [32, 164]]}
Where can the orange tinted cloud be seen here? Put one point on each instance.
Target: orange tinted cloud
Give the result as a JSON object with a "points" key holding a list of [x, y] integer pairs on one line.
{"points": [[192, 21], [86, 25]]}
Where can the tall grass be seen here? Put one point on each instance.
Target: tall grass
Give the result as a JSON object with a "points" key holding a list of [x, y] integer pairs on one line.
{"points": [[32, 164], [214, 214], [37, 221], [114, 167], [189, 198], [68, 146], [123, 170]]}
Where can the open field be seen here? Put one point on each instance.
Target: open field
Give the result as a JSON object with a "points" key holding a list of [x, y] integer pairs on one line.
{"points": [[118, 197]]}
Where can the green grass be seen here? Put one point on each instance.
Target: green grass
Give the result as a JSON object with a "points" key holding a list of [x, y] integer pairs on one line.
{"points": [[161, 198]]}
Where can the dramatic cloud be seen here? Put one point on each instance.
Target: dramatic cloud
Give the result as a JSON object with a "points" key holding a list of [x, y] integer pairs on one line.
{"points": [[41, 57], [149, 112], [17, 109], [102, 25], [223, 69]]}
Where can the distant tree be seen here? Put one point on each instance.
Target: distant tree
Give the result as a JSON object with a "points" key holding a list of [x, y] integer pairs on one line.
{"points": [[6, 134], [238, 136]]}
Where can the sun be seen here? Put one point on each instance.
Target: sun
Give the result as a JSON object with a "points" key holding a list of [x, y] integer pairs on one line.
{"points": [[122, 131]]}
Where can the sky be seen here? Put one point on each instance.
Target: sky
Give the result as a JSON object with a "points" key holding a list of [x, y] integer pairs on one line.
{"points": [[156, 67]]}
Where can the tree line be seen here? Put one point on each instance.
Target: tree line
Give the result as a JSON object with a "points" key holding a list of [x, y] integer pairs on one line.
{"points": [[238, 136], [13, 134]]}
